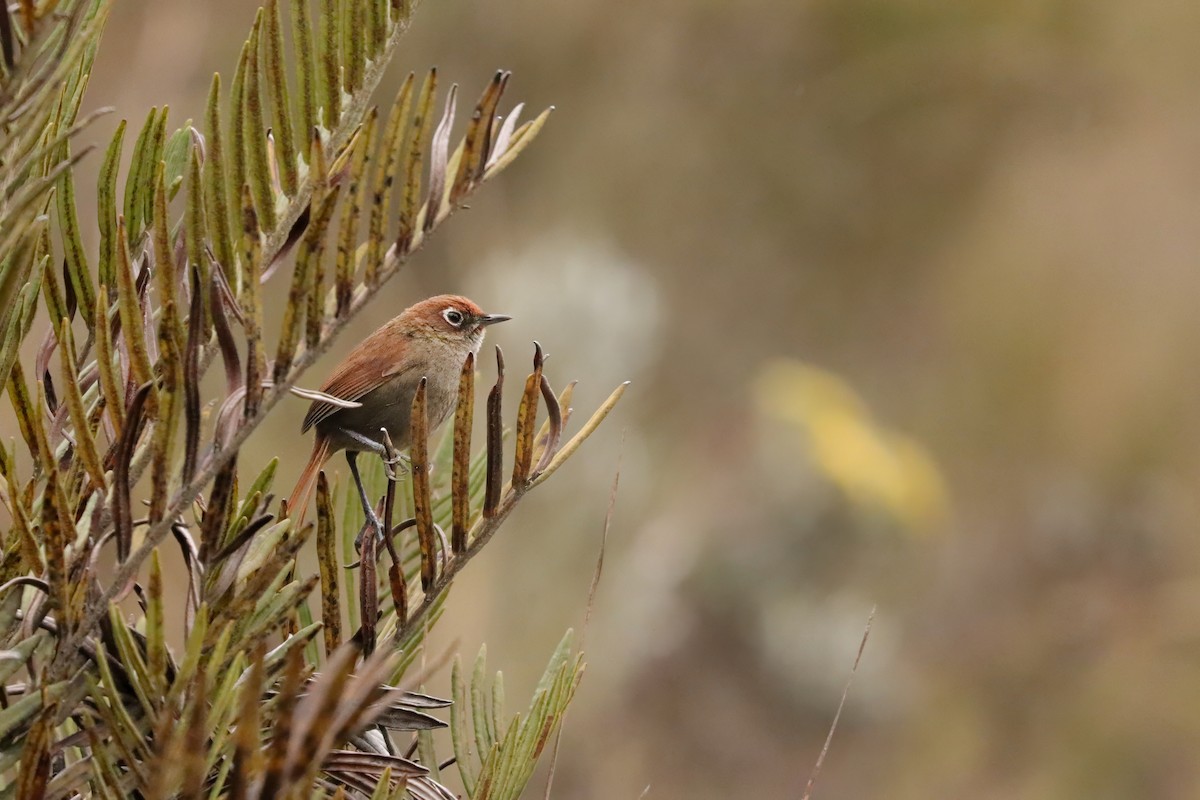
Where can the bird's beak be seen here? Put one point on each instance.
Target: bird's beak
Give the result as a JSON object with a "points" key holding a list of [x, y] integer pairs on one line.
{"points": [[492, 319]]}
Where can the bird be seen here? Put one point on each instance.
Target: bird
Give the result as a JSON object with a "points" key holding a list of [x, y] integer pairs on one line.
{"points": [[431, 340]]}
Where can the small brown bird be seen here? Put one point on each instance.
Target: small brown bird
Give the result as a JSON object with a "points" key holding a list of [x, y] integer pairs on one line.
{"points": [[430, 340]]}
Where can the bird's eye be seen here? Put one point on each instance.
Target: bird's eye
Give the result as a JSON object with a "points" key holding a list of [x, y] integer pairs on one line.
{"points": [[453, 316]]}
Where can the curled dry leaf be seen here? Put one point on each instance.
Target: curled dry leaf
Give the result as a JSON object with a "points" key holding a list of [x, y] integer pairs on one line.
{"points": [[439, 163], [495, 441]]}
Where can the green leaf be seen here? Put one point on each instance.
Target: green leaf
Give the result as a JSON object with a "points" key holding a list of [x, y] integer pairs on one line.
{"points": [[21, 310], [23, 710], [521, 139], [216, 194], [156, 647], [356, 201], [330, 64], [458, 728], [262, 548], [579, 438], [327, 563], [130, 657], [129, 307], [277, 88], [511, 757], [136, 181], [78, 271], [13, 660], [106, 205], [260, 486], [176, 155], [150, 718], [302, 39], [485, 736], [254, 132], [427, 753]]}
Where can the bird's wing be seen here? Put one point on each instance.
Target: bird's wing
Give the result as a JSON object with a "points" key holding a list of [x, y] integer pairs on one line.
{"points": [[363, 370]]}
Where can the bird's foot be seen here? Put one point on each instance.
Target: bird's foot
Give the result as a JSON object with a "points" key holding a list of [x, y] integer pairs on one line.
{"points": [[390, 465], [374, 524]]}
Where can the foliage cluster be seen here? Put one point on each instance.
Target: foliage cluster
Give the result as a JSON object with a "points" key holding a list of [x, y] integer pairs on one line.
{"points": [[295, 186]]}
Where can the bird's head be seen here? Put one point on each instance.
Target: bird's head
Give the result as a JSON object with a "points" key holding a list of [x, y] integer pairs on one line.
{"points": [[452, 317]]}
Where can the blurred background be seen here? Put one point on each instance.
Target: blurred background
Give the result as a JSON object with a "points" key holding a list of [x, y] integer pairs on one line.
{"points": [[907, 290]]}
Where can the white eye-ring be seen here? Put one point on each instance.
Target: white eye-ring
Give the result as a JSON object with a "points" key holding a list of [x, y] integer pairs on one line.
{"points": [[453, 316]]}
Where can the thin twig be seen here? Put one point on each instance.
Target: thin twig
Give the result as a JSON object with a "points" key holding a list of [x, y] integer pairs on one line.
{"points": [[812, 778], [587, 614]]}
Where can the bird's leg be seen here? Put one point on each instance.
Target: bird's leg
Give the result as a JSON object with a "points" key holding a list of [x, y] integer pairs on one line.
{"points": [[366, 442], [378, 449], [369, 510]]}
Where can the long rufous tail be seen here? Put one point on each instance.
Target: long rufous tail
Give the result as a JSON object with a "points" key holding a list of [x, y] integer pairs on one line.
{"points": [[298, 502]]}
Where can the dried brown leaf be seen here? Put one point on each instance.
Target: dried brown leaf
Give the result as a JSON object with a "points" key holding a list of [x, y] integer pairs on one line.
{"points": [[495, 441], [460, 490], [422, 502]]}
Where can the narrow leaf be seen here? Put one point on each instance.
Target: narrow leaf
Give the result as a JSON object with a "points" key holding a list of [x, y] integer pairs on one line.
{"points": [[238, 175], [463, 756], [191, 379], [131, 312], [252, 305], [495, 441], [74, 260], [459, 482], [194, 236], [254, 130], [521, 139], [222, 303], [171, 402], [484, 736], [247, 750], [106, 207], [329, 62], [546, 445], [414, 147], [526, 421], [217, 511], [122, 506], [135, 182], [167, 281], [302, 39], [579, 438], [113, 402], [156, 648], [285, 142], [478, 138], [85, 440], [356, 39], [216, 195], [356, 197], [327, 561], [419, 455], [385, 174], [439, 161]]}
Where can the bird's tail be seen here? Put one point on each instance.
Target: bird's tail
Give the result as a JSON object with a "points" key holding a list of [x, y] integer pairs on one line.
{"points": [[298, 502]]}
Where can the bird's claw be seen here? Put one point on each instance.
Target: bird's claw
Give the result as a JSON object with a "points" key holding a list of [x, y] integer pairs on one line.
{"points": [[373, 523], [390, 464]]}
